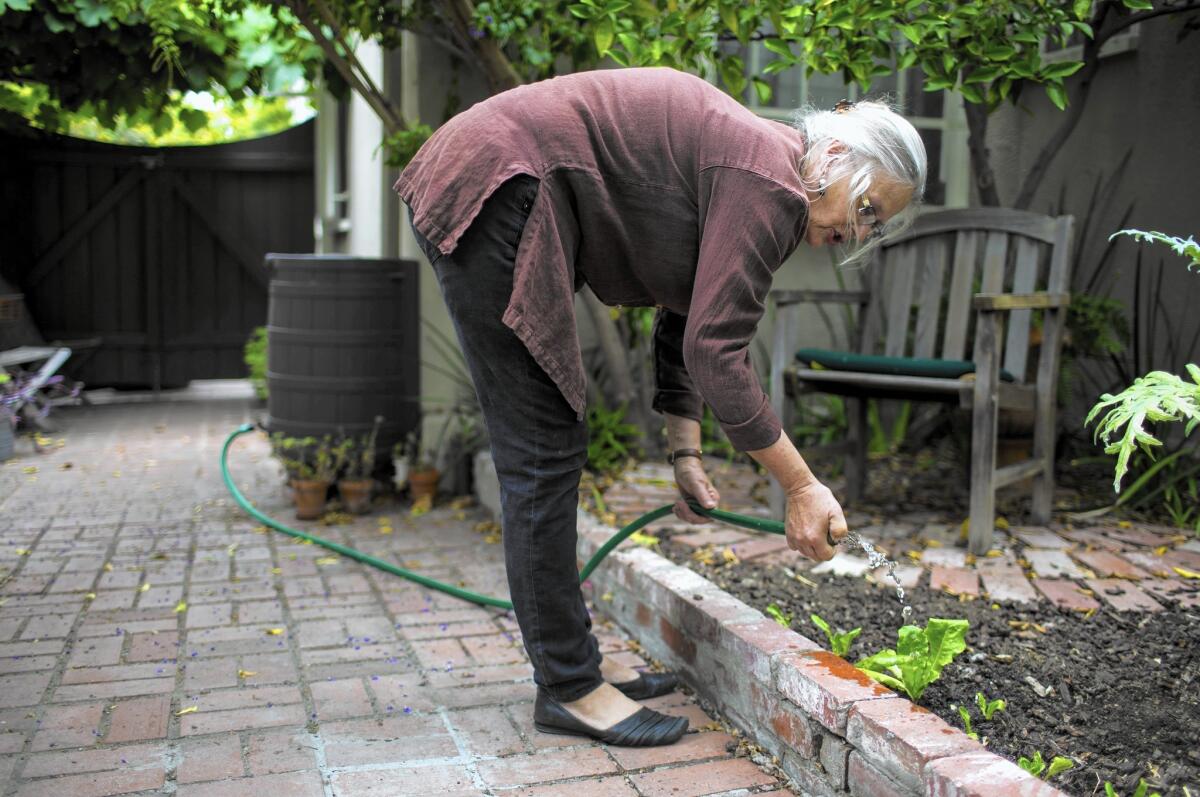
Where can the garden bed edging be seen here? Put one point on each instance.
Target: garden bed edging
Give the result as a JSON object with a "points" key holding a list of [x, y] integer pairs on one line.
{"points": [[833, 730]]}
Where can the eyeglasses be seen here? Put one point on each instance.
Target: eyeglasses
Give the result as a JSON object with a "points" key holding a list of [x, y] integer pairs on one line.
{"points": [[867, 215]]}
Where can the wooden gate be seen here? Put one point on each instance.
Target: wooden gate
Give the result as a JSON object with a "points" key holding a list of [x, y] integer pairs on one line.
{"points": [[158, 253]]}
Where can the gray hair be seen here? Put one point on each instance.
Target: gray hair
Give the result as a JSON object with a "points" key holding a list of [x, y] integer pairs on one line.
{"points": [[878, 142]]}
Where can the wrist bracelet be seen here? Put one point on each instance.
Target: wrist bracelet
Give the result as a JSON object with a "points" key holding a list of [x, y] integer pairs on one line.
{"points": [[684, 452]]}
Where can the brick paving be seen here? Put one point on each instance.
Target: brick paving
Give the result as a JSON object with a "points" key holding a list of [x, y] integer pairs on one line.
{"points": [[1125, 567], [154, 640]]}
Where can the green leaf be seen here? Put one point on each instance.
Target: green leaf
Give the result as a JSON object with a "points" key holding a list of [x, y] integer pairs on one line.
{"points": [[971, 93], [780, 48], [911, 33], [1000, 52], [1033, 766], [1109, 791], [1139, 5], [92, 13], [729, 18], [1059, 764], [1057, 95], [602, 35], [1082, 9], [15, 5], [1061, 69], [193, 119]]}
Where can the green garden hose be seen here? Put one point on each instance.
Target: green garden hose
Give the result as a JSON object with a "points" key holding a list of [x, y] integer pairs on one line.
{"points": [[754, 524]]}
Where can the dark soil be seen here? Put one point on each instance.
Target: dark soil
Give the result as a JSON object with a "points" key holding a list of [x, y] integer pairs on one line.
{"points": [[1126, 688]]}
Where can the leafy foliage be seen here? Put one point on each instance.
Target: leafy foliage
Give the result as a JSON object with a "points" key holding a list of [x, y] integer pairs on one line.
{"points": [[1156, 397], [1038, 768], [988, 707], [610, 438], [1184, 247], [1140, 791], [839, 641], [778, 615], [254, 353], [131, 61], [919, 657]]}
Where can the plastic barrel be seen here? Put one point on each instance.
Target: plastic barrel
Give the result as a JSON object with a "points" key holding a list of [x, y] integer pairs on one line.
{"points": [[343, 347]]}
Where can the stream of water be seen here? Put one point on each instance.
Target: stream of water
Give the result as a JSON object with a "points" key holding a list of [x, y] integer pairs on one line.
{"points": [[877, 559]]}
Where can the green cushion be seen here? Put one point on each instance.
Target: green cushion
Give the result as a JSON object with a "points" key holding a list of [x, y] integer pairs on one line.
{"points": [[895, 366]]}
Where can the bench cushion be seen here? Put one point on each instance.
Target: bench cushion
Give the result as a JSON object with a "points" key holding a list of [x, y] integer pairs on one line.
{"points": [[895, 366]]}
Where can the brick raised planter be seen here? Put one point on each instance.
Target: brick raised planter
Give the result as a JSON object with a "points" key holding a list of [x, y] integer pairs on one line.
{"points": [[833, 729]]}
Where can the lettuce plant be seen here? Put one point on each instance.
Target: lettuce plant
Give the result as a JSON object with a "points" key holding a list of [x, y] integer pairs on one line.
{"points": [[839, 643], [919, 657], [1038, 768], [1140, 791], [777, 614], [988, 707]]}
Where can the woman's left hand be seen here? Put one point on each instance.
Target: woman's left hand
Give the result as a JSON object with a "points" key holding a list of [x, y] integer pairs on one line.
{"points": [[694, 483]]}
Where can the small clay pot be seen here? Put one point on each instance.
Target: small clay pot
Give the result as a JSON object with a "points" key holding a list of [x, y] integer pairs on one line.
{"points": [[356, 495], [423, 483], [309, 497]]}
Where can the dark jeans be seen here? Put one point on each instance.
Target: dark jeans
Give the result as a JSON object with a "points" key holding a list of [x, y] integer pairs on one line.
{"points": [[538, 445]]}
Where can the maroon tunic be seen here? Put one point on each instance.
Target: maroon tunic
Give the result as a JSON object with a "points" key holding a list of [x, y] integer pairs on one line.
{"points": [[656, 189]]}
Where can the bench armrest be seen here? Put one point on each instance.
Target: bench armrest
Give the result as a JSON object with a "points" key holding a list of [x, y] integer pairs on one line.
{"points": [[1020, 301], [784, 297]]}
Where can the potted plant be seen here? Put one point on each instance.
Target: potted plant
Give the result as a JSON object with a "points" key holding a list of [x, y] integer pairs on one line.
{"points": [[423, 472], [311, 468], [356, 464]]}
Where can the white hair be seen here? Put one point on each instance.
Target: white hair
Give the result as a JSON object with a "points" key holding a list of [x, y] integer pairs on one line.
{"points": [[876, 142]]}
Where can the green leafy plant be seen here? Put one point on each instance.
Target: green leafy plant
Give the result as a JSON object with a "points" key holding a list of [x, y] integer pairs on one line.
{"points": [[966, 718], [354, 457], [839, 642], [1140, 791], [1156, 397], [988, 707], [919, 657], [1184, 247], [611, 440], [306, 458], [1038, 768], [255, 356], [777, 614]]}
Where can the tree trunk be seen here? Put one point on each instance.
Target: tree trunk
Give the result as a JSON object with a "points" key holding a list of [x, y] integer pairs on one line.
{"points": [[981, 166]]}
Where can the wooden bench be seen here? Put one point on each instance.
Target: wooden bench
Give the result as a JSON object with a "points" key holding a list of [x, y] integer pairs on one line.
{"points": [[994, 267]]}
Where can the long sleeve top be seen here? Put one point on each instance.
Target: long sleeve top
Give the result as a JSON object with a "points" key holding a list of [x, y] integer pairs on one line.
{"points": [[656, 188]]}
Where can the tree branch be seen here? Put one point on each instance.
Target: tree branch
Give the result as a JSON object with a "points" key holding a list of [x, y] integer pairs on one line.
{"points": [[497, 69], [1091, 59], [391, 122], [981, 164], [395, 117]]}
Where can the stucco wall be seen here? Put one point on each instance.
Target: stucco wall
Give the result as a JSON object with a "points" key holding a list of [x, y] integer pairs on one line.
{"points": [[1146, 102]]}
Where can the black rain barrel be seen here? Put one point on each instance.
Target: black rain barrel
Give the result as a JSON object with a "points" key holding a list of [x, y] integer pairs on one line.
{"points": [[343, 347]]}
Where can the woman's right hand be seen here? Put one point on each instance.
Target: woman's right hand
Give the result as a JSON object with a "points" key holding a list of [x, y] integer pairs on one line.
{"points": [[814, 517], [693, 482]]}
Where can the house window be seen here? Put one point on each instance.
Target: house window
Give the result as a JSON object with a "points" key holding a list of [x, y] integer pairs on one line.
{"points": [[937, 115]]}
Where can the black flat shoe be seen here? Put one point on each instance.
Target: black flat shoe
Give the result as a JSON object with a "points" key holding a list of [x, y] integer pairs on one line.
{"points": [[649, 684], [646, 728]]}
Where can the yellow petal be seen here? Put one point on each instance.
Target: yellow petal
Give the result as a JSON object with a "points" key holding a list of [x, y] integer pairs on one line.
{"points": [[606, 597], [23, 552], [144, 587], [1183, 571], [246, 673], [180, 607], [188, 710], [327, 560], [91, 596], [275, 631], [276, 570]]}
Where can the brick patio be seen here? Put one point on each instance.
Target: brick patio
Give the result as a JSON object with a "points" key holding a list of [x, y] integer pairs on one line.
{"points": [[153, 640]]}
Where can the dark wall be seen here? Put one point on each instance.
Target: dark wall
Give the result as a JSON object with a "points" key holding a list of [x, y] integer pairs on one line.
{"points": [[1144, 103], [156, 252]]}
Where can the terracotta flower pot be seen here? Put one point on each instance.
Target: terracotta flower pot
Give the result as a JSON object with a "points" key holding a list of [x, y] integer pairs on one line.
{"points": [[356, 495], [422, 483], [309, 497]]}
